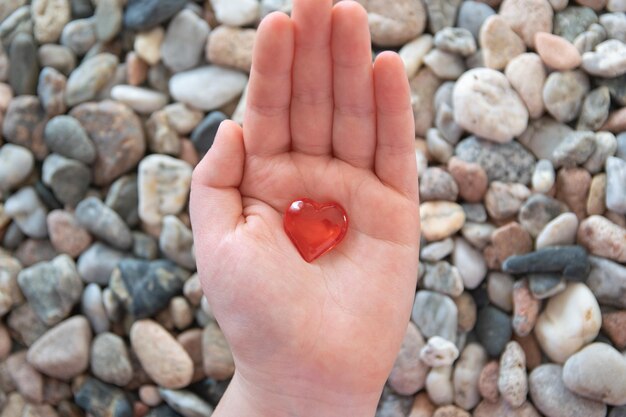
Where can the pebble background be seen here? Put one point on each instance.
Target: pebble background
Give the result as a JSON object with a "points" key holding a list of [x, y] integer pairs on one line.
{"points": [[520, 113]]}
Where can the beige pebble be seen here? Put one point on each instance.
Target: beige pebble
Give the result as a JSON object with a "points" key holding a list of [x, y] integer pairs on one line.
{"points": [[500, 44], [441, 219], [557, 52]]}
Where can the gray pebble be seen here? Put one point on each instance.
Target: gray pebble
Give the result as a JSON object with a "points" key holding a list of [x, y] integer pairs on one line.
{"points": [[65, 135], [89, 78], [455, 40], [616, 185], [444, 121], [438, 184], [176, 242], [621, 146], [606, 145], [189, 29], [58, 57], [438, 147], [51, 288], [24, 68], [493, 329], [472, 14], [508, 162], [16, 164], [69, 179], [538, 211], [475, 212], [109, 359], [81, 8], [79, 35], [500, 290], [108, 17], [590, 38], [92, 307], [618, 412], [608, 59], [563, 94], [51, 91], [571, 261], [553, 399], [441, 13], [572, 21], [616, 86], [478, 234], [607, 281], [145, 14], [444, 278], [186, 403], [436, 251], [28, 212], [100, 399], [13, 237], [145, 246], [544, 286], [104, 223], [124, 199], [435, 315], [445, 65], [575, 149], [595, 109], [615, 25], [543, 136]]}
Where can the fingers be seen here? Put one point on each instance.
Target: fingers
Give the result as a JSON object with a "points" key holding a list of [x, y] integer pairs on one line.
{"points": [[215, 202], [395, 163], [266, 123], [312, 90], [354, 124]]}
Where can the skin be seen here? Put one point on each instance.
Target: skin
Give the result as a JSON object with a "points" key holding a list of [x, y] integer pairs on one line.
{"points": [[311, 339]]}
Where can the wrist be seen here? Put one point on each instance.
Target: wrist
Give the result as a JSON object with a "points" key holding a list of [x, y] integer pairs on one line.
{"points": [[243, 398]]}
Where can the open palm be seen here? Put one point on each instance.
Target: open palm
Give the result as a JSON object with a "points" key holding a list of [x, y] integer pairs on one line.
{"points": [[321, 122]]}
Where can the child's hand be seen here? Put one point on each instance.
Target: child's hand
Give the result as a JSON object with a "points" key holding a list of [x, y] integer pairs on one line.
{"points": [[314, 339]]}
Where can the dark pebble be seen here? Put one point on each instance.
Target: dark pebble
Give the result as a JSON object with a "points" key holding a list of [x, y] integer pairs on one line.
{"points": [[571, 261], [24, 68], [162, 410], [145, 246], [145, 14], [493, 329], [102, 400], [546, 285], [65, 135], [81, 9], [104, 223], [618, 411], [24, 123], [204, 134], [210, 389], [97, 262], [69, 179], [149, 284], [13, 237], [47, 196], [123, 197]]}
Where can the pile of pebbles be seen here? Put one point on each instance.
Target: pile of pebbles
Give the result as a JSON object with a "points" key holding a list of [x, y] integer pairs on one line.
{"points": [[520, 110]]}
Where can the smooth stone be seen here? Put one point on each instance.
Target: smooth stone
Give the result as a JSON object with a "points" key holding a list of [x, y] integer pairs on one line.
{"points": [[615, 181], [182, 316], [557, 52], [163, 187], [543, 136], [439, 352], [595, 109], [621, 146], [527, 76], [217, 359], [435, 315], [413, 53], [182, 118], [207, 88], [572, 21], [9, 6], [89, 78], [512, 381], [437, 184], [34, 251], [552, 398], [101, 400], [186, 403], [466, 375], [444, 65], [123, 198], [117, 134], [502, 409], [509, 162], [570, 320], [423, 88], [97, 262], [25, 378], [28, 212], [544, 177], [575, 149], [561, 231], [109, 360], [108, 15], [503, 200], [563, 94], [146, 287], [144, 246], [231, 47], [58, 57], [603, 238], [500, 290], [16, 165], [572, 188], [176, 242], [608, 59], [436, 251], [493, 329], [92, 307], [475, 212], [65, 136], [614, 326], [147, 45], [24, 68], [408, 374], [24, 123], [152, 343], [52, 288], [595, 372], [455, 40], [500, 44], [589, 39], [438, 147], [104, 223], [66, 235], [145, 14], [616, 86], [51, 91], [615, 25], [394, 26], [571, 261], [472, 15], [49, 18], [616, 6], [538, 211], [162, 138], [52, 355], [466, 307], [527, 17], [13, 236], [441, 219], [142, 100], [441, 14], [605, 147], [543, 286], [25, 325], [482, 96], [69, 179], [444, 121], [188, 28], [204, 133], [443, 278], [469, 263], [596, 201], [439, 385], [607, 281], [79, 35], [525, 308]]}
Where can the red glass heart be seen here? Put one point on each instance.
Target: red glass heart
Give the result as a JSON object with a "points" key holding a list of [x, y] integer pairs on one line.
{"points": [[315, 228]]}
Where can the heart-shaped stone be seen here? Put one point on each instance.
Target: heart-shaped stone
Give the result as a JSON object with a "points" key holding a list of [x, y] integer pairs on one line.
{"points": [[315, 228]]}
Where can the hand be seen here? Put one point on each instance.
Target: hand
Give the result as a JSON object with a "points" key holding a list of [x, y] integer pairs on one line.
{"points": [[321, 122]]}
